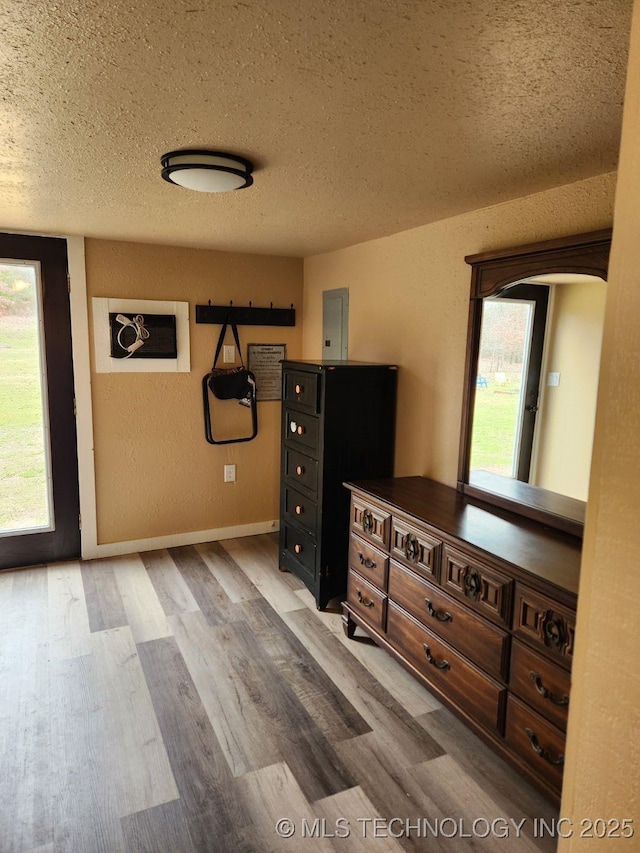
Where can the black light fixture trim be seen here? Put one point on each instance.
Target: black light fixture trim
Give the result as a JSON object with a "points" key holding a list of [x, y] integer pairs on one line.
{"points": [[244, 172]]}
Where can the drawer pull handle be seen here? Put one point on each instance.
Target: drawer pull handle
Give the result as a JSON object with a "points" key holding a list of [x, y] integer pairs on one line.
{"points": [[367, 521], [299, 389], [366, 602], [297, 549], [441, 616], [472, 585], [301, 430], [299, 509], [368, 564], [547, 694], [411, 547], [300, 470], [443, 664], [543, 753], [293, 426]]}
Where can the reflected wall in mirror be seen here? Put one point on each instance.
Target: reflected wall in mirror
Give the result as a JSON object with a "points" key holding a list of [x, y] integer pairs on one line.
{"points": [[533, 357]]}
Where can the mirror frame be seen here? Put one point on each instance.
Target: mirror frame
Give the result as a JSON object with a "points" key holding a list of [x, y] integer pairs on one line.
{"points": [[492, 272]]}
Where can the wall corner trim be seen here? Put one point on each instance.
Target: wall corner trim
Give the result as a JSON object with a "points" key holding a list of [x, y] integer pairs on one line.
{"points": [[175, 540]]}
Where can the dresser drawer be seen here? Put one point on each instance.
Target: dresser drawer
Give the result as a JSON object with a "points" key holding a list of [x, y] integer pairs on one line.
{"points": [[300, 510], [539, 743], [297, 552], [543, 685], [302, 389], [484, 643], [415, 548], [481, 587], [301, 469], [370, 522], [462, 682], [367, 601], [545, 622], [372, 564], [301, 429]]}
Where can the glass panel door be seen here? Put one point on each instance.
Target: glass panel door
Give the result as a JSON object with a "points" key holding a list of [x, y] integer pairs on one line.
{"points": [[505, 343], [39, 494], [25, 458]]}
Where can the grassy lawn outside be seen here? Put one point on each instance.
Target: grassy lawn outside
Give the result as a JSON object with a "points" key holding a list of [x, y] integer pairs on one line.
{"points": [[494, 429], [23, 484]]}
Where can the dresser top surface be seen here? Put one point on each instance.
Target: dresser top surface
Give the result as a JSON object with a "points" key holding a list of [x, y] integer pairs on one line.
{"points": [[548, 554], [326, 364]]}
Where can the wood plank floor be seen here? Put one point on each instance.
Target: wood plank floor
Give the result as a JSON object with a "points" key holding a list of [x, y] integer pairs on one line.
{"points": [[185, 701]]}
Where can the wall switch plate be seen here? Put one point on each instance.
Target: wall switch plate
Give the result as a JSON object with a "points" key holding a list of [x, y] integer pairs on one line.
{"points": [[228, 354], [553, 380], [229, 473]]}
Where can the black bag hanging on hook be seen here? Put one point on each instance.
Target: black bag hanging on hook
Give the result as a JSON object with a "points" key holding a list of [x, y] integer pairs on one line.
{"points": [[229, 383]]}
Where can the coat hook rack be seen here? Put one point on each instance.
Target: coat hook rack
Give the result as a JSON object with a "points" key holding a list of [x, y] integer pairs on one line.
{"points": [[245, 315]]}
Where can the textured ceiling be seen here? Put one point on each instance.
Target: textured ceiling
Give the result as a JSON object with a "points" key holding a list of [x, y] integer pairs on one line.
{"points": [[364, 117]]}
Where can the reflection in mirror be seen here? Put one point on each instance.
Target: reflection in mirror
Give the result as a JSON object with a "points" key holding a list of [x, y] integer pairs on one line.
{"points": [[536, 383]]}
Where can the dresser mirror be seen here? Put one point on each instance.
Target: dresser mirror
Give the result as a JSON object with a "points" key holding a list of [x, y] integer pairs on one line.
{"points": [[533, 354]]}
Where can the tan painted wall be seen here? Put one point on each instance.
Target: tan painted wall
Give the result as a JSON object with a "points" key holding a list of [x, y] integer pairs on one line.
{"points": [[155, 473], [602, 776], [569, 410], [409, 297]]}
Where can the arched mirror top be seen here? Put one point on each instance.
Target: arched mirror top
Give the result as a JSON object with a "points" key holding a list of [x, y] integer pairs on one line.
{"points": [[584, 254], [504, 276]]}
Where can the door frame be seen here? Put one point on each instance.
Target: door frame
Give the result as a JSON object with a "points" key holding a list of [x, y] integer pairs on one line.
{"points": [[78, 304]]}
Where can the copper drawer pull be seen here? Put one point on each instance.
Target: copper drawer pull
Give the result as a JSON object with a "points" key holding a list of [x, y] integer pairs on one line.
{"points": [[299, 470], [299, 389], [301, 430], [535, 746], [367, 602], [444, 664], [297, 549], [299, 509], [545, 693], [437, 614], [367, 521], [368, 564]]}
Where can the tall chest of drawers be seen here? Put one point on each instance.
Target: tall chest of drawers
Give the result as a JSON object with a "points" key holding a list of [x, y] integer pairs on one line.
{"points": [[477, 604], [338, 422]]}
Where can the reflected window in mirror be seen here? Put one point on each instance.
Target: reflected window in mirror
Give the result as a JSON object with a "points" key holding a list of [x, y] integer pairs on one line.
{"points": [[537, 382], [533, 361]]}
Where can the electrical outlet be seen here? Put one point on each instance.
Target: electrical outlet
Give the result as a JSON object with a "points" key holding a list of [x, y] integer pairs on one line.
{"points": [[553, 380], [228, 354], [229, 473]]}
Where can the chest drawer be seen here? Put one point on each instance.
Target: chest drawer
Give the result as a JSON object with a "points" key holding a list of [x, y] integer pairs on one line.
{"points": [[372, 564], [300, 510], [484, 643], [543, 685], [301, 469], [302, 389], [301, 429], [462, 682], [415, 548], [370, 522], [367, 601], [481, 587], [539, 743], [545, 622], [298, 552]]}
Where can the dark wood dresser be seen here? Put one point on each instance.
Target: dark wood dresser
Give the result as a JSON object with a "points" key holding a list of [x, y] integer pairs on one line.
{"points": [[338, 422], [478, 604]]}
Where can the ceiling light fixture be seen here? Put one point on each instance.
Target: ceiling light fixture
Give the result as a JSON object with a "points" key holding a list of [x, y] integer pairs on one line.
{"points": [[206, 171]]}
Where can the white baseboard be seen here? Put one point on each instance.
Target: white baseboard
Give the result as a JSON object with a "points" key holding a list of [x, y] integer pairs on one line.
{"points": [[132, 546]]}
